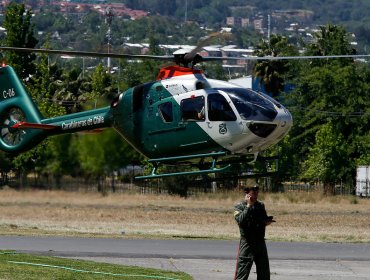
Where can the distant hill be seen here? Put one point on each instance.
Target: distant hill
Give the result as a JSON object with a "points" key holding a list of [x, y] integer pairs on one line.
{"points": [[335, 11], [353, 15]]}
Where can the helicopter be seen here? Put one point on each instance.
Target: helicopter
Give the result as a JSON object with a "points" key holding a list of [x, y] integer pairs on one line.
{"points": [[183, 116]]}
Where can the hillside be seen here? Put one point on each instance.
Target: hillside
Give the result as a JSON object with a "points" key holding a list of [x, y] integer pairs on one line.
{"points": [[351, 14], [337, 11], [70, 23]]}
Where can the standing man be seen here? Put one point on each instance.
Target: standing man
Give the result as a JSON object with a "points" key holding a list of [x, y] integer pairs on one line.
{"points": [[252, 219]]}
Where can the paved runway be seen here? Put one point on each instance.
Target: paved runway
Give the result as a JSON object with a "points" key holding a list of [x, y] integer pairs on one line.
{"points": [[207, 259]]}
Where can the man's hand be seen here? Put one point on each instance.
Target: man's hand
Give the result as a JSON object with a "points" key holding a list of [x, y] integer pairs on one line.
{"points": [[250, 200], [268, 222]]}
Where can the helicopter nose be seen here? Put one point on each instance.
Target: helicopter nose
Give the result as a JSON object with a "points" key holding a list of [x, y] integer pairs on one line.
{"points": [[284, 122], [275, 129]]}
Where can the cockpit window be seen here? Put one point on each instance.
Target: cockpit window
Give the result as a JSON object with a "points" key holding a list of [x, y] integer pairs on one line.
{"points": [[192, 109], [251, 105], [165, 111], [219, 109]]}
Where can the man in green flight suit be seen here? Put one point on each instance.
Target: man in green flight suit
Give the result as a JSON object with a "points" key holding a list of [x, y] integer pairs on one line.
{"points": [[252, 219]]}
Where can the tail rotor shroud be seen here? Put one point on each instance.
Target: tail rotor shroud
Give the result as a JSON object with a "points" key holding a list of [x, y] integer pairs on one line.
{"points": [[10, 136]]}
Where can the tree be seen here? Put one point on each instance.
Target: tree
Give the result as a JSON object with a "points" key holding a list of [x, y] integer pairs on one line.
{"points": [[19, 34], [165, 7], [331, 40], [363, 146], [102, 154], [72, 89], [214, 71], [41, 88], [333, 92], [327, 158], [100, 83], [91, 20], [60, 159], [5, 167], [272, 72]]}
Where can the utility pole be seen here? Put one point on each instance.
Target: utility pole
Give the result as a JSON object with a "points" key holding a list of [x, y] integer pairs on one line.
{"points": [[186, 10], [108, 20], [268, 28]]}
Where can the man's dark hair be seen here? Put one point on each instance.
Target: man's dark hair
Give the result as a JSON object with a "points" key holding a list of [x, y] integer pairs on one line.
{"points": [[254, 188]]}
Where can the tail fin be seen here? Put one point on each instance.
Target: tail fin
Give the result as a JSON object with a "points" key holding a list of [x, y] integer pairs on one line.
{"points": [[17, 106]]}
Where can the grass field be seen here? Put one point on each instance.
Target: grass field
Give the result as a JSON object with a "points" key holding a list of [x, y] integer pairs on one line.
{"points": [[300, 216], [22, 266]]}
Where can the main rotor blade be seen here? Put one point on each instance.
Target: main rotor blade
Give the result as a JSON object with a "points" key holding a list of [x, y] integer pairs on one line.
{"points": [[87, 54], [190, 56], [215, 58], [171, 58]]}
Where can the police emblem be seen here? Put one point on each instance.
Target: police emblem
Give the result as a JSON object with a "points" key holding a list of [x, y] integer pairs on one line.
{"points": [[222, 129]]}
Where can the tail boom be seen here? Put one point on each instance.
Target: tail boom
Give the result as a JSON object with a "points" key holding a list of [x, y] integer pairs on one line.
{"points": [[22, 126]]}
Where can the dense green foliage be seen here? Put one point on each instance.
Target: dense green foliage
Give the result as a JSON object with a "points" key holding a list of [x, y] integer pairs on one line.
{"points": [[88, 32], [20, 33], [330, 106]]}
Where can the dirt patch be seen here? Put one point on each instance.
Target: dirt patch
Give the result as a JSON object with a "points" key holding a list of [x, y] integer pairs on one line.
{"points": [[307, 218]]}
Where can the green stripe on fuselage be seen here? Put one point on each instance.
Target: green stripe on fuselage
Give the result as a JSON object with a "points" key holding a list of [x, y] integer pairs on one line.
{"points": [[145, 129]]}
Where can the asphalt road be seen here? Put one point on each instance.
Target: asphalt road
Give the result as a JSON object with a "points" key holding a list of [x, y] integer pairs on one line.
{"points": [[207, 259]]}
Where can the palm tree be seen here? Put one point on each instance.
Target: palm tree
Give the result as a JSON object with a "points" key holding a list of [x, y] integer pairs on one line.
{"points": [[272, 72]]}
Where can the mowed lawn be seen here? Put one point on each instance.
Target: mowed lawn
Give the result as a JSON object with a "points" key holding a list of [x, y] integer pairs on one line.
{"points": [[299, 216], [16, 266]]}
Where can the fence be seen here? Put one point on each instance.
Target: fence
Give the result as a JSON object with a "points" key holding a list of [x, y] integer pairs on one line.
{"points": [[112, 184], [103, 184], [339, 189]]}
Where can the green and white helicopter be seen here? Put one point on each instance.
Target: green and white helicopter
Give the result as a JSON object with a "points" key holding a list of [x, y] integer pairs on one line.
{"points": [[183, 116]]}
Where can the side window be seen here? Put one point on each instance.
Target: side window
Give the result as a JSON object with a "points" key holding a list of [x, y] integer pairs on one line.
{"points": [[192, 109], [165, 110], [219, 109]]}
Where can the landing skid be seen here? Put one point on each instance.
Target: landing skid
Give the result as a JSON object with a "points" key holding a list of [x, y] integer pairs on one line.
{"points": [[213, 169]]}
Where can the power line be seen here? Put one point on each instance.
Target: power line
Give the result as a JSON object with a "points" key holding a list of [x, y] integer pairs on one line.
{"points": [[330, 113]]}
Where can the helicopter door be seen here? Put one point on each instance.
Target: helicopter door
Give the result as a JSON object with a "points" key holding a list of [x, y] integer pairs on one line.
{"points": [[222, 123], [162, 124]]}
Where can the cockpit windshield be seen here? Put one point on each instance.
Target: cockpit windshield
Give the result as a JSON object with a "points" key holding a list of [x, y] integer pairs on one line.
{"points": [[251, 105]]}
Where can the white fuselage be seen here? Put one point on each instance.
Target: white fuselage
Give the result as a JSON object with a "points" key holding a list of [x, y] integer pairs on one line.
{"points": [[239, 135]]}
